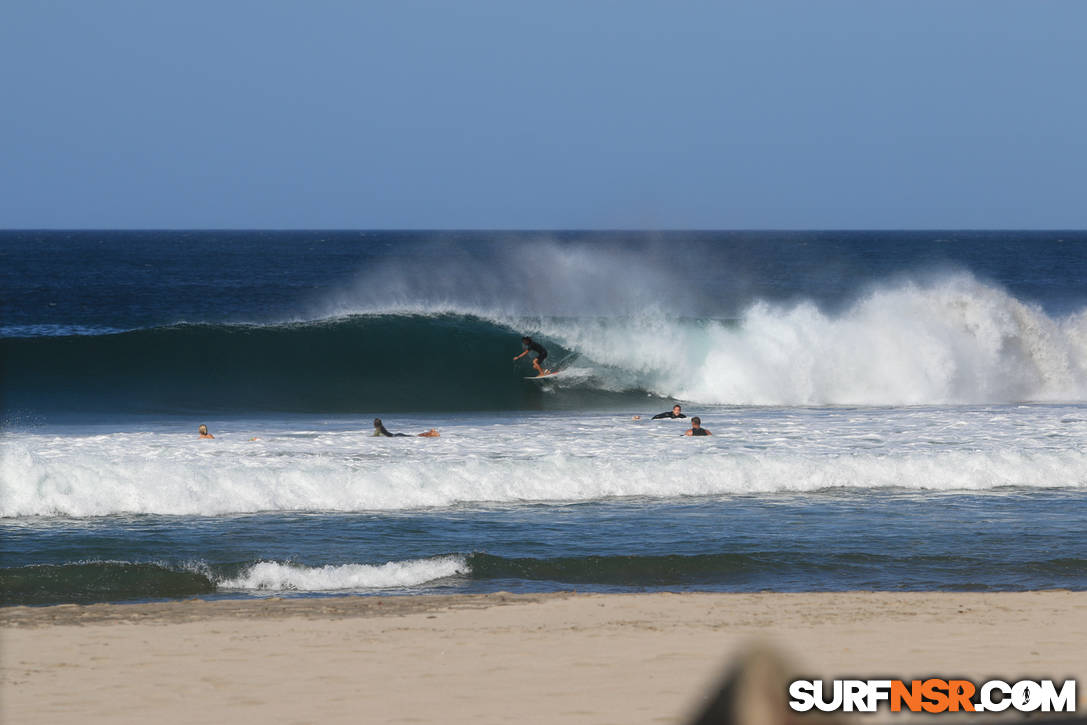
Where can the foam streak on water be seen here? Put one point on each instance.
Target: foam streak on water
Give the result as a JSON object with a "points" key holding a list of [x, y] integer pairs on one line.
{"points": [[275, 576]]}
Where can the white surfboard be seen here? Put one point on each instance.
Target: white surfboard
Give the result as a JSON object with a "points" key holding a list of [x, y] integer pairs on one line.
{"points": [[545, 376]]}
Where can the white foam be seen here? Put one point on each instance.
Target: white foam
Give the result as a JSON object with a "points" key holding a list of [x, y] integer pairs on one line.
{"points": [[274, 576], [551, 457], [955, 341], [948, 338]]}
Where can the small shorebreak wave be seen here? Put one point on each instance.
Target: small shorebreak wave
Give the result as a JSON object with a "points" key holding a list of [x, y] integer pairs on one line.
{"points": [[89, 582], [105, 581]]}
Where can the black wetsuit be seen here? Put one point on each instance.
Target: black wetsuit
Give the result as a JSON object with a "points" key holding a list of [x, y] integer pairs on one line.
{"points": [[699, 432], [541, 352], [668, 414], [381, 431]]}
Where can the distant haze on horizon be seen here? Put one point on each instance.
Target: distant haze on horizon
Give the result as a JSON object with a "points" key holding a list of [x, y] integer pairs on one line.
{"points": [[842, 114]]}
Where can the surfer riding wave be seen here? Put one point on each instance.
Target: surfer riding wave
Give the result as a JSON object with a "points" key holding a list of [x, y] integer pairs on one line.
{"points": [[541, 355]]}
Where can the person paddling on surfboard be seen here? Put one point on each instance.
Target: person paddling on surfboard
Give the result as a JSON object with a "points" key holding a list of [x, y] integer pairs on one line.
{"points": [[541, 355], [676, 412], [381, 431]]}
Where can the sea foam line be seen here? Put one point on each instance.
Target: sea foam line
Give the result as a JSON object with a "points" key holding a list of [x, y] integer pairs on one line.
{"points": [[275, 576], [94, 484]]}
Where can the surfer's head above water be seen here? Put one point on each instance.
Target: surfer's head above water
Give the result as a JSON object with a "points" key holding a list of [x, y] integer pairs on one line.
{"points": [[696, 428]]}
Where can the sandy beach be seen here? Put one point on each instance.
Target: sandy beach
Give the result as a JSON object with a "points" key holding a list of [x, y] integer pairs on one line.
{"points": [[556, 658]]}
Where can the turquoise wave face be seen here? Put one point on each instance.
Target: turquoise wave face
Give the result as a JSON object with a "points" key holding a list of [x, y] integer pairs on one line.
{"points": [[364, 363]]}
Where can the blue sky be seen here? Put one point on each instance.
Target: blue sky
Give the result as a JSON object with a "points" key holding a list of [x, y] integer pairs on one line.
{"points": [[656, 115]]}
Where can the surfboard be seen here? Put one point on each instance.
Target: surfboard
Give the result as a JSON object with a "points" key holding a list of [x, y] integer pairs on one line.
{"points": [[543, 377]]}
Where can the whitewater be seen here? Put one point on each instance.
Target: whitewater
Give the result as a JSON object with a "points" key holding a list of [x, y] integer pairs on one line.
{"points": [[337, 465], [633, 319]]}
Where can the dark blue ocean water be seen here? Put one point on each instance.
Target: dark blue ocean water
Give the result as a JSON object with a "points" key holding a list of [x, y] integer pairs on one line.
{"points": [[891, 410]]}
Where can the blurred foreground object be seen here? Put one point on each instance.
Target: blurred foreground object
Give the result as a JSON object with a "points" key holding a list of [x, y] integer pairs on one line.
{"points": [[755, 691]]}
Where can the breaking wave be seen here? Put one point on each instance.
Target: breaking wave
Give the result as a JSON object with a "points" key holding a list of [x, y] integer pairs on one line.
{"points": [[954, 340]]}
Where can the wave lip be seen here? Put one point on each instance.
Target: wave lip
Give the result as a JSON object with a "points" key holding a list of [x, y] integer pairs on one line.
{"points": [[275, 576]]}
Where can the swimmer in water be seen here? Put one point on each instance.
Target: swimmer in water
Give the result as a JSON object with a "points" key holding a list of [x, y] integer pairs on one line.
{"points": [[675, 412], [696, 428], [380, 430], [541, 355], [203, 430]]}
